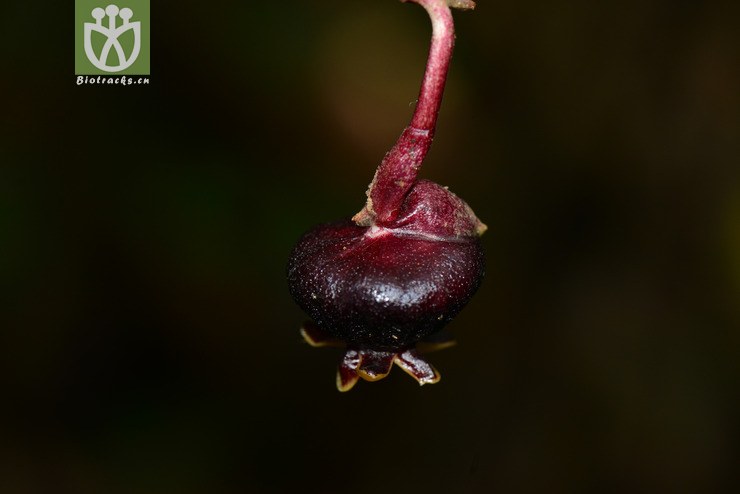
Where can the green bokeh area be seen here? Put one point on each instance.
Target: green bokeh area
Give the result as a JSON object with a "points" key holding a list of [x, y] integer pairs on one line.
{"points": [[83, 10]]}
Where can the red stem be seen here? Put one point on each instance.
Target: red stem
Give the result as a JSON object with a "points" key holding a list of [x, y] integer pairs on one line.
{"points": [[397, 172], [440, 53]]}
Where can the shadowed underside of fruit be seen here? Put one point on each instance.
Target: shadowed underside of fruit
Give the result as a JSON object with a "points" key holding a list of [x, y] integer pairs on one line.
{"points": [[388, 280]]}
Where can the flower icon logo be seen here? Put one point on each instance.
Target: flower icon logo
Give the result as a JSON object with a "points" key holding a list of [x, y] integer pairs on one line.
{"points": [[112, 33]]}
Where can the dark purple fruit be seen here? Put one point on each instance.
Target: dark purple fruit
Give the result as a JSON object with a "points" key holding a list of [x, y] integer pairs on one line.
{"points": [[383, 287], [405, 265]]}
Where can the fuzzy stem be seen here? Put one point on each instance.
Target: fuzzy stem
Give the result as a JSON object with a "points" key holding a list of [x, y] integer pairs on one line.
{"points": [[435, 75], [397, 172]]}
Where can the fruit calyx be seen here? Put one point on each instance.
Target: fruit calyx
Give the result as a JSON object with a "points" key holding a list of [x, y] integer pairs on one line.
{"points": [[373, 365]]}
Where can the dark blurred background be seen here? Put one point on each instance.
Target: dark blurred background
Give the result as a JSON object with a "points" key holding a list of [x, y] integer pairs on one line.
{"points": [[148, 342]]}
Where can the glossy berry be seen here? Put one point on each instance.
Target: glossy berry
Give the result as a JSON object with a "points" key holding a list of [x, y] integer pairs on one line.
{"points": [[407, 263]]}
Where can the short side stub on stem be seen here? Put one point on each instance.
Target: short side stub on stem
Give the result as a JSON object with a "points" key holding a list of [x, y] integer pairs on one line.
{"points": [[461, 4]]}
